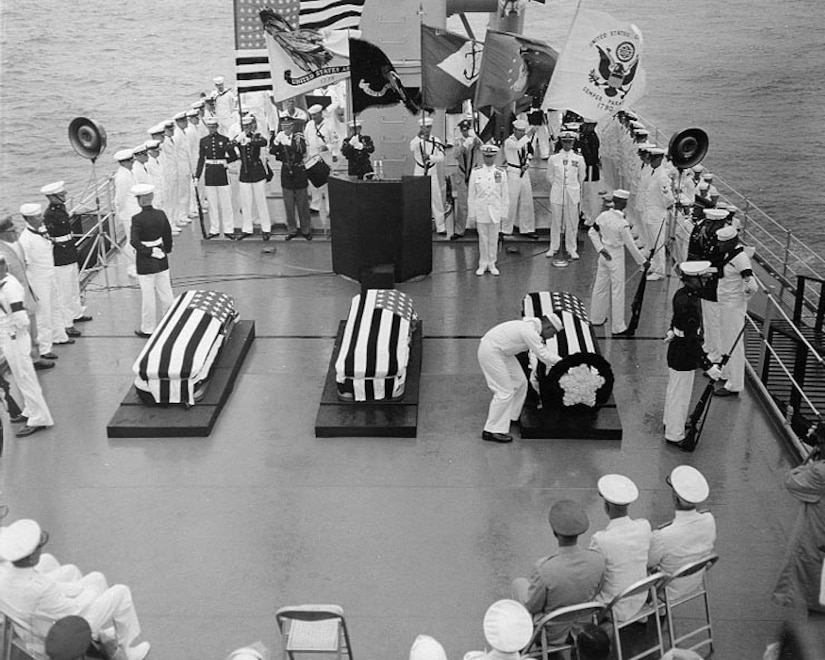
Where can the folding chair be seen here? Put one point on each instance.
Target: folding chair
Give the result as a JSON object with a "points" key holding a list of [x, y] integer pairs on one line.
{"points": [[314, 629], [11, 646], [650, 585], [572, 614], [703, 565]]}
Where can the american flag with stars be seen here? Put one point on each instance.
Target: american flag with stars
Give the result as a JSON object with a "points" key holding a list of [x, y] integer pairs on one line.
{"points": [[251, 56], [577, 335]]}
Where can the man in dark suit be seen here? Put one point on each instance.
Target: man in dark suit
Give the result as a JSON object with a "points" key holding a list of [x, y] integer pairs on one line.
{"points": [[152, 239], [215, 154], [289, 147], [252, 178]]}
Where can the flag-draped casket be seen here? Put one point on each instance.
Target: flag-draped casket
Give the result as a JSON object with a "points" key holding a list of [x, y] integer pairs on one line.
{"points": [[583, 379], [176, 361], [372, 362]]}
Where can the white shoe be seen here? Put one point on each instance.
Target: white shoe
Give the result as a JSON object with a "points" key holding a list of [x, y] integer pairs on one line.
{"points": [[549, 254], [480, 270], [138, 652], [494, 271], [654, 277]]}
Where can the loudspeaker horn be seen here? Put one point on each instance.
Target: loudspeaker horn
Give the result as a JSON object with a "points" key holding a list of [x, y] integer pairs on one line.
{"points": [[688, 147], [87, 137]]}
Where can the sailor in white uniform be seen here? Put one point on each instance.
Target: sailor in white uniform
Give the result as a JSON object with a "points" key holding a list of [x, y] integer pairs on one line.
{"points": [[125, 204], [186, 168], [171, 165], [428, 152], [610, 236], [689, 537], [487, 206], [505, 377], [226, 105], [139, 170], [566, 171], [322, 143], [657, 200], [154, 166], [625, 543], [518, 152]]}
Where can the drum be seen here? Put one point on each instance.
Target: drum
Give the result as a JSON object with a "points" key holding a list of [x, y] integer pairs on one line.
{"points": [[317, 171]]}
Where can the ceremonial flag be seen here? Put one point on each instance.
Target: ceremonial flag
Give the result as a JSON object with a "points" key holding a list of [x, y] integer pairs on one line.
{"points": [[513, 66], [252, 68], [450, 65], [599, 69], [374, 79]]}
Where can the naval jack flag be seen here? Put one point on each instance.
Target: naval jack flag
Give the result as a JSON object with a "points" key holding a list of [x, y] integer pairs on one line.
{"points": [[599, 70], [450, 65]]}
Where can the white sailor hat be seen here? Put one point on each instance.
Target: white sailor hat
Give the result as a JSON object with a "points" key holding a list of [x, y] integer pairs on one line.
{"points": [[657, 151], [140, 149], [703, 185], [698, 168], [508, 626], [573, 126], [210, 121], [247, 119], [637, 124], [688, 482], [726, 233], [555, 321], [152, 144], [198, 104], [123, 154], [489, 150], [155, 130], [707, 176], [427, 648], [425, 121], [644, 146], [27, 210], [620, 193], [142, 189], [520, 125], [218, 80], [617, 489], [54, 188], [19, 539], [179, 116], [315, 109], [567, 135], [192, 113], [715, 214], [693, 268], [245, 653], [169, 123], [357, 122], [631, 114]]}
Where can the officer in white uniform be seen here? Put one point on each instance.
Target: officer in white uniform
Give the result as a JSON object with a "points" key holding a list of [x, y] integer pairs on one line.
{"points": [[507, 627], [171, 167], [487, 206], [610, 235], [139, 171], [625, 543], [125, 204], [38, 255], [154, 166], [566, 171], [689, 537], [322, 143], [503, 372], [428, 152], [657, 200], [15, 343], [186, 168], [518, 152]]}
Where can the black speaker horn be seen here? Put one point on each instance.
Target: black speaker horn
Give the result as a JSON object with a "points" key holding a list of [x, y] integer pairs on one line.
{"points": [[688, 147], [87, 137]]}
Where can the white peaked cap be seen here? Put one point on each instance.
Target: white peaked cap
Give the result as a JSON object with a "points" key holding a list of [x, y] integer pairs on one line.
{"points": [[726, 233], [142, 189], [619, 193], [694, 267], [508, 626], [19, 539], [30, 209], [123, 154], [425, 121], [689, 483], [314, 109], [618, 489], [716, 214], [218, 80], [427, 648], [54, 188]]}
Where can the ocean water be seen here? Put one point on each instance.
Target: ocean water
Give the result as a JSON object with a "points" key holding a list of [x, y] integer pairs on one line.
{"points": [[749, 72]]}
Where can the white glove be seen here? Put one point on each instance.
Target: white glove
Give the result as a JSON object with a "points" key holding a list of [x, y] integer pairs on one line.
{"points": [[355, 143], [157, 253], [283, 138], [715, 373], [751, 287], [669, 336]]}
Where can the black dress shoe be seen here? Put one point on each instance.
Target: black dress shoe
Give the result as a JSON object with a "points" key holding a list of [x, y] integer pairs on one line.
{"points": [[42, 365], [63, 343], [49, 355], [73, 332], [624, 333], [724, 391], [28, 430], [455, 237], [143, 335], [308, 236], [83, 319], [496, 437], [531, 235], [265, 235], [19, 419], [210, 236], [289, 237], [442, 233]]}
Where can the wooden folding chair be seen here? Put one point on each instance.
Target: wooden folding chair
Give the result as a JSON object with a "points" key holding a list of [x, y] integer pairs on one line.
{"points": [[702, 565], [543, 629], [11, 646], [314, 629], [651, 585]]}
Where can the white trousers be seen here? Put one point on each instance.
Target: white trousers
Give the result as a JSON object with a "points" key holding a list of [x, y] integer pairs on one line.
{"points": [[567, 214], [171, 199], [731, 320], [256, 193], [68, 293], [710, 325], [220, 200], [487, 243], [436, 203], [608, 291], [520, 210], [186, 196], [319, 200], [151, 284], [113, 608], [506, 379], [677, 403], [49, 315], [22, 370], [128, 250]]}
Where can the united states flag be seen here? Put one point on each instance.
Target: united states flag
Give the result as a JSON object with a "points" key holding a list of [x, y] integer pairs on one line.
{"points": [[577, 335], [376, 344], [184, 346], [251, 55]]}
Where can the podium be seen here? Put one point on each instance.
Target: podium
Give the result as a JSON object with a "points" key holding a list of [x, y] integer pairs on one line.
{"points": [[381, 222]]}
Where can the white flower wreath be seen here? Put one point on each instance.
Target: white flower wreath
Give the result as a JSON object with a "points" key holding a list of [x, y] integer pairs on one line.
{"points": [[580, 385]]}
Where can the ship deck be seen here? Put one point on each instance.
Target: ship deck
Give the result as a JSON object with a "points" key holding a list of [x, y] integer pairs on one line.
{"points": [[410, 536]]}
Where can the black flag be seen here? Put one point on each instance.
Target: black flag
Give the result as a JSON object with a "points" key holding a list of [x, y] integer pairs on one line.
{"points": [[374, 79]]}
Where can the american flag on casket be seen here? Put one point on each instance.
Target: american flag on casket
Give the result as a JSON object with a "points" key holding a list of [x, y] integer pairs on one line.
{"points": [[181, 351], [578, 335], [375, 350]]}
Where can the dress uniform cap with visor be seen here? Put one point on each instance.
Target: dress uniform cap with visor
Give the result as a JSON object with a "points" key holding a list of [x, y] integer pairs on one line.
{"points": [[20, 539], [30, 209], [54, 188], [689, 484], [726, 233], [508, 626], [617, 489], [694, 268]]}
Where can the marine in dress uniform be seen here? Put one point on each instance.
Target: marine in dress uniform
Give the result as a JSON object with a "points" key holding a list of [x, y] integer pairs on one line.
{"points": [[216, 152], [357, 149], [658, 200], [322, 143], [566, 171], [571, 576], [252, 178], [289, 147], [152, 239], [689, 537], [684, 351], [487, 206], [624, 543], [58, 224], [610, 236], [428, 152], [504, 375], [518, 152], [38, 256], [15, 343], [467, 157], [125, 205]]}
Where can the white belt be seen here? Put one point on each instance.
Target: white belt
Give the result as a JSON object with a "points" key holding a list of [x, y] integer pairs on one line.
{"points": [[156, 243], [215, 162], [63, 239]]}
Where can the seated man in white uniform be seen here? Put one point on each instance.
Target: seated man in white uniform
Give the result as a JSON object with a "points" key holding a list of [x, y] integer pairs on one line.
{"points": [[503, 372]]}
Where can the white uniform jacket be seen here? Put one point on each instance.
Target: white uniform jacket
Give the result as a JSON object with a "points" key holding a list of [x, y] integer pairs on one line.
{"points": [[688, 538], [513, 337], [319, 136], [488, 194], [613, 235], [657, 196], [566, 171], [125, 202], [431, 147], [517, 155]]}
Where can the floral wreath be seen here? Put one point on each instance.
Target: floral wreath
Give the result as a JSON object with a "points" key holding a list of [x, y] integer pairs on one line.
{"points": [[580, 382]]}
